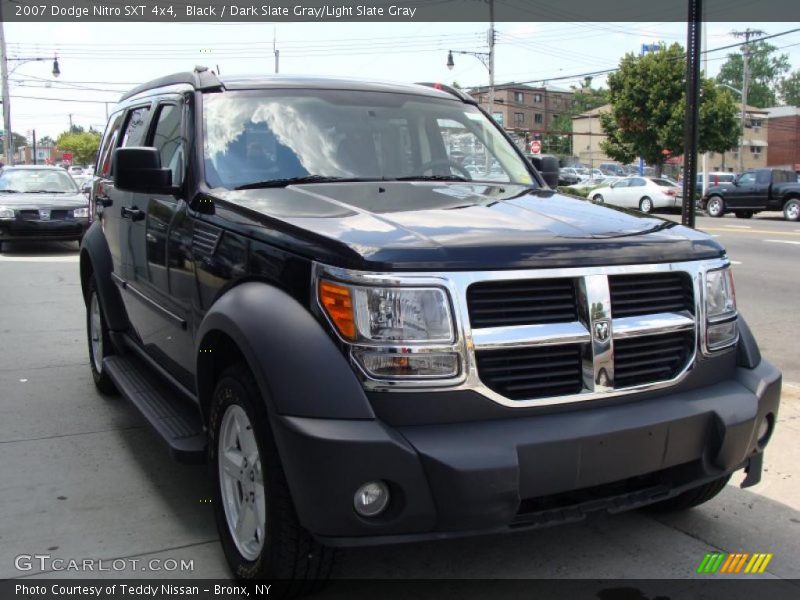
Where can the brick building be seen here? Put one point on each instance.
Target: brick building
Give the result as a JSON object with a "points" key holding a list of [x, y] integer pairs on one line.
{"points": [[784, 137], [525, 111]]}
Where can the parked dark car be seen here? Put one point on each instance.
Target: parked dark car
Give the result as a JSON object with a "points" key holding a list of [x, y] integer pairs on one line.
{"points": [[41, 203], [755, 191], [290, 279]]}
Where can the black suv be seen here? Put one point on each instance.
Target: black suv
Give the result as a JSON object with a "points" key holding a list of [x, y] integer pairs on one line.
{"points": [[299, 281]]}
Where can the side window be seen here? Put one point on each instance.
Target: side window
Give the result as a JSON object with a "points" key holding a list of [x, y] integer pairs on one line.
{"points": [[638, 182], [622, 183], [103, 167], [747, 179], [168, 139], [136, 127], [762, 177]]}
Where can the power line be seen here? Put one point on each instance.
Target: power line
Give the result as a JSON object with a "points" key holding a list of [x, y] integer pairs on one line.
{"points": [[612, 70]]}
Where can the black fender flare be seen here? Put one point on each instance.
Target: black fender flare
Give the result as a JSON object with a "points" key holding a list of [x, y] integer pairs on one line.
{"points": [[95, 257], [299, 369]]}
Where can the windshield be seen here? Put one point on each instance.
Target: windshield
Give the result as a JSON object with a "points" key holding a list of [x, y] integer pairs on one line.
{"points": [[33, 181], [257, 137]]}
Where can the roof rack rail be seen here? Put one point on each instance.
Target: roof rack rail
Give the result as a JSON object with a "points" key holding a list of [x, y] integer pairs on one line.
{"points": [[463, 96], [201, 79]]}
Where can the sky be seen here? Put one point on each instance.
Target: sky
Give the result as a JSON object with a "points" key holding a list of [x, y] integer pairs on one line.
{"points": [[98, 62]]}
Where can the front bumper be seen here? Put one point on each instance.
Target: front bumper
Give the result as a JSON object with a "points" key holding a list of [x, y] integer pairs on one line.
{"points": [[457, 479], [58, 229]]}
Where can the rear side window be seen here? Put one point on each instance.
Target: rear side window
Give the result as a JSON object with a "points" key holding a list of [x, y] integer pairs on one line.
{"points": [[637, 183], [168, 139], [136, 127], [103, 167], [762, 177]]}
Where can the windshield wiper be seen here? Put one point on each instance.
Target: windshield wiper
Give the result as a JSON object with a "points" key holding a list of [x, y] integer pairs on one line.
{"points": [[46, 192], [10, 191], [305, 179], [432, 178]]}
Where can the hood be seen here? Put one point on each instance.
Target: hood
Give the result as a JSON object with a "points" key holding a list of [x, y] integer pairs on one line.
{"points": [[21, 201], [455, 226]]}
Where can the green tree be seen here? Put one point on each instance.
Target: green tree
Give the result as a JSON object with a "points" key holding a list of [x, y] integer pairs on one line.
{"points": [[83, 146], [46, 141], [765, 72], [648, 108], [790, 89]]}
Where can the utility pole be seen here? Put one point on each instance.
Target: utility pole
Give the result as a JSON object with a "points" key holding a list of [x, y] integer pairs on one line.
{"points": [[746, 34], [34, 146], [492, 36], [275, 50], [70, 122], [8, 136]]}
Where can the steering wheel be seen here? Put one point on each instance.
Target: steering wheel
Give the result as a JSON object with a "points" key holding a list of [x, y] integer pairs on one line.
{"points": [[446, 162]]}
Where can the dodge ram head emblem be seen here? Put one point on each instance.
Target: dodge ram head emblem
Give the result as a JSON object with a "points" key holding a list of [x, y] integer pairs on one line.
{"points": [[602, 329], [44, 214]]}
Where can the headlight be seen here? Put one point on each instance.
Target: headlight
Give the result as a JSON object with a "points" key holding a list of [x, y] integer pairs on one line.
{"points": [[720, 309], [80, 213], [6, 213], [387, 315], [393, 329]]}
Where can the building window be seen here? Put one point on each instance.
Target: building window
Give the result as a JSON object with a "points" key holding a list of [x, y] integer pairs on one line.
{"points": [[537, 118], [519, 119], [519, 97], [755, 124], [537, 97], [735, 155], [755, 151], [554, 116]]}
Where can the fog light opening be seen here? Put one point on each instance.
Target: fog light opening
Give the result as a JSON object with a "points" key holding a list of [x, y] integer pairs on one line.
{"points": [[371, 499], [765, 430]]}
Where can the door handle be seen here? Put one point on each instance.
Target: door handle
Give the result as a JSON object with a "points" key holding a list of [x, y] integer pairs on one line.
{"points": [[103, 201], [132, 213]]}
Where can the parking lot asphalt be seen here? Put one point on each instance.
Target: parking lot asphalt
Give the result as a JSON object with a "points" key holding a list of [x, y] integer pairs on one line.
{"points": [[82, 476]]}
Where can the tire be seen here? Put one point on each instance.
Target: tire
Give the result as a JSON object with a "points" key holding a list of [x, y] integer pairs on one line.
{"points": [[283, 550], [744, 214], [691, 498], [715, 207], [598, 199], [791, 210], [99, 342], [646, 205]]}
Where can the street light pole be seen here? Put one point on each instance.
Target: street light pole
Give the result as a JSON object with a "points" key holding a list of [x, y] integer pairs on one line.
{"points": [[487, 58], [491, 58], [7, 135], [746, 34]]}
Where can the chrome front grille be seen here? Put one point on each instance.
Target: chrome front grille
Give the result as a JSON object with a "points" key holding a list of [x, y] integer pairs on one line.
{"points": [[619, 329], [613, 332]]}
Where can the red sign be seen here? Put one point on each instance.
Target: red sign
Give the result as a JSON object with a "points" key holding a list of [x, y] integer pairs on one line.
{"points": [[536, 146], [67, 156]]}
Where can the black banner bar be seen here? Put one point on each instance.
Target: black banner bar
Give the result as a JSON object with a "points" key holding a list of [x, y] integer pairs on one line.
{"points": [[276, 11]]}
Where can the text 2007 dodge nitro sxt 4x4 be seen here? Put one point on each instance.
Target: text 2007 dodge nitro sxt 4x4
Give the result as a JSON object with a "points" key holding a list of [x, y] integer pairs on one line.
{"points": [[374, 318]]}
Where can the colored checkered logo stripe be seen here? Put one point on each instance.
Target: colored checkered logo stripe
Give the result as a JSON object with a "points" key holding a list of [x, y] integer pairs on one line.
{"points": [[740, 562]]}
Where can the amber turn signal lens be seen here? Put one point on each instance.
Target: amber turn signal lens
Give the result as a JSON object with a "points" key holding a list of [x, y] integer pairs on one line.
{"points": [[338, 305]]}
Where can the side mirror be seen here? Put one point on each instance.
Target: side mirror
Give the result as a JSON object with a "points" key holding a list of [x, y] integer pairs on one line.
{"points": [[138, 169], [548, 168]]}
